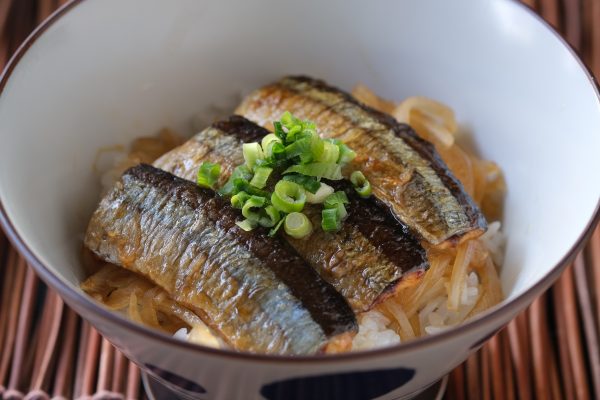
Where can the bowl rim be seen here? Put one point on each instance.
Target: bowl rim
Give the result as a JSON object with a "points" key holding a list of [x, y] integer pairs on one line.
{"points": [[87, 303]]}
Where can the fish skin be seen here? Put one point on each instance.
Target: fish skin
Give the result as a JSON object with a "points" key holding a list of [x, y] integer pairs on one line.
{"points": [[372, 256], [405, 171], [253, 290]]}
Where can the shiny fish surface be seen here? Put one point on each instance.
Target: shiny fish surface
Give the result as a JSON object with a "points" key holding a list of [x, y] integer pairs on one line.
{"points": [[405, 171], [372, 256], [251, 289]]}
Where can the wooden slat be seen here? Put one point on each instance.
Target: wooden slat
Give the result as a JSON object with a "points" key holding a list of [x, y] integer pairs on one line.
{"points": [[63, 381], [592, 346], [486, 385], [594, 256], [23, 327], [595, 37], [565, 368], [550, 10], [539, 343], [519, 353], [15, 288], [133, 382], [473, 377], [569, 302], [573, 23], [509, 379], [44, 9], [495, 358]]}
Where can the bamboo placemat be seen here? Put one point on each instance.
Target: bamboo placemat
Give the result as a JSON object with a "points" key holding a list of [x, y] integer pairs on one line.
{"points": [[550, 351]]}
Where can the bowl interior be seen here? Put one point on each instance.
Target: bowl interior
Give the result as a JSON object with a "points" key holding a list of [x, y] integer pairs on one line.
{"points": [[110, 70]]}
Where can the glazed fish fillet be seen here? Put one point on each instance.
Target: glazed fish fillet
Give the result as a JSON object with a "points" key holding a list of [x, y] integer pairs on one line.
{"points": [[405, 171], [253, 290], [369, 259]]}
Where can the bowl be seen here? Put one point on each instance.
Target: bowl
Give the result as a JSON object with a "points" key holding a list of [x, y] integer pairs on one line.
{"points": [[101, 72]]}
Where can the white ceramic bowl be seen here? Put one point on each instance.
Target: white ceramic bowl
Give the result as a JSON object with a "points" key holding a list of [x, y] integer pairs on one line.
{"points": [[101, 72]]}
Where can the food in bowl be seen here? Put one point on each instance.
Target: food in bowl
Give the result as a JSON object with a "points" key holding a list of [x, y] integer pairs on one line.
{"points": [[352, 232]]}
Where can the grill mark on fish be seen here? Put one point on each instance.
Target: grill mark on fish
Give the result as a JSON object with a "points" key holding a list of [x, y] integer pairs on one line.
{"points": [[373, 255], [406, 172], [255, 291]]}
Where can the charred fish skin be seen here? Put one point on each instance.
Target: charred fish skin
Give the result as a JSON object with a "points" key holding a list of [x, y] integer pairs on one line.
{"points": [[255, 291], [406, 172], [370, 258]]}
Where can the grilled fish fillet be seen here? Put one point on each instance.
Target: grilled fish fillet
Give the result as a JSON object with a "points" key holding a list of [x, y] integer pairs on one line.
{"points": [[253, 290], [369, 259], [405, 171]]}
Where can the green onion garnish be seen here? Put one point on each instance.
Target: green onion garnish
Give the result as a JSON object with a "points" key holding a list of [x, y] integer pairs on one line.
{"points": [[268, 142], [361, 184], [297, 225], [252, 152], [320, 195], [309, 183], [252, 206], [330, 220], [330, 171], [288, 197], [238, 200], [300, 158], [301, 148], [261, 175], [273, 231], [240, 172], [269, 217], [288, 120], [346, 154], [331, 153], [242, 185], [208, 174], [336, 198], [246, 225]]}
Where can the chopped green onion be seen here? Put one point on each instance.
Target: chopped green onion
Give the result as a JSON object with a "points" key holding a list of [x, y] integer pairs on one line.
{"points": [[208, 174], [330, 220], [239, 172], [246, 225], [336, 198], [297, 225], [288, 120], [274, 230], [269, 217], [238, 200], [242, 185], [252, 206], [277, 151], [261, 175], [278, 130], [300, 148], [309, 183], [320, 170], [341, 210], [296, 152], [317, 146], [268, 142], [320, 195], [288, 197], [346, 154], [361, 184], [252, 152], [331, 153], [292, 132]]}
